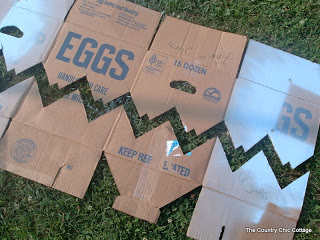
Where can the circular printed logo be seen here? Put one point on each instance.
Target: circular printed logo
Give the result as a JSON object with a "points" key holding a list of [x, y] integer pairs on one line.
{"points": [[24, 150], [212, 95]]}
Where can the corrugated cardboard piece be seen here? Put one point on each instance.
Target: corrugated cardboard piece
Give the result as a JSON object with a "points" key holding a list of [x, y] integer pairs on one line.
{"points": [[39, 21], [151, 171], [56, 145], [276, 94]]}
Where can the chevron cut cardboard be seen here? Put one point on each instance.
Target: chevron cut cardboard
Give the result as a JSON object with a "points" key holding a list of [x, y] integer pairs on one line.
{"points": [[38, 22], [276, 94], [151, 171], [105, 41]]}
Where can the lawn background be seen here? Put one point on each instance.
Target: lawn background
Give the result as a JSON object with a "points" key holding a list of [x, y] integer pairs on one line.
{"points": [[31, 211]]}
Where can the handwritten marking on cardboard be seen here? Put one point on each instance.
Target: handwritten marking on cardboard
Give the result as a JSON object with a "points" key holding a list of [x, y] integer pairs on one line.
{"points": [[24, 150], [219, 58], [250, 188], [185, 50]]}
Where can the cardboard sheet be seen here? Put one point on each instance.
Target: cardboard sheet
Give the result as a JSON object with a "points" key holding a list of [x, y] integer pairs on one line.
{"points": [[151, 171], [105, 43], [39, 23], [3, 125], [276, 94]]}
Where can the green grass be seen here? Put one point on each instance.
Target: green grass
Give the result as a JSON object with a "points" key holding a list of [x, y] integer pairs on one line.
{"points": [[31, 211]]}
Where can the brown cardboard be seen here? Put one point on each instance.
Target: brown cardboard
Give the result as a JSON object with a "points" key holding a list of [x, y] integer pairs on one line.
{"points": [[68, 146], [147, 176], [31, 48]]}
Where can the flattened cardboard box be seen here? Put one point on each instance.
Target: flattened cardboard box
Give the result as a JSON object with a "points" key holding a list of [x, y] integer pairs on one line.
{"points": [[56, 145], [276, 94], [151, 171], [39, 23]]}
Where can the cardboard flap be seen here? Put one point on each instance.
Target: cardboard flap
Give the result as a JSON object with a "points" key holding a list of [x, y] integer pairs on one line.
{"points": [[285, 107], [30, 49], [265, 101], [219, 216], [48, 159], [3, 125], [154, 94], [206, 46], [157, 150], [247, 203], [10, 99], [66, 119], [255, 184], [110, 65], [117, 18], [137, 208], [146, 184], [51, 8], [279, 70]]}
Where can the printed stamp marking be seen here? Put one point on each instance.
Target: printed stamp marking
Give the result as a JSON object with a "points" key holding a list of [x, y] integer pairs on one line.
{"points": [[24, 150], [156, 65], [212, 95]]}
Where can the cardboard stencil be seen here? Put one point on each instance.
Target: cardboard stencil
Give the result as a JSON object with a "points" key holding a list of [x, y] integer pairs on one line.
{"points": [[151, 171], [105, 43], [276, 94], [39, 21]]}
